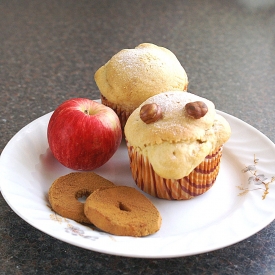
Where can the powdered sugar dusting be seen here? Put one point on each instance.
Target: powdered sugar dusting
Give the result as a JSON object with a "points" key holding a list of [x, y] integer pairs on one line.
{"points": [[173, 102], [133, 75], [151, 57], [176, 125]]}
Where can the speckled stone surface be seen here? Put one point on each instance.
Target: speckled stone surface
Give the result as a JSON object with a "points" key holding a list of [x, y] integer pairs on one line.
{"points": [[49, 52]]}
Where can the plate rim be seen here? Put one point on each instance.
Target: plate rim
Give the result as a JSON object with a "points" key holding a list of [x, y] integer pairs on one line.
{"points": [[170, 255]]}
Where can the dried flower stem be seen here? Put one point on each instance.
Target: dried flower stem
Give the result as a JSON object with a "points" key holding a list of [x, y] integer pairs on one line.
{"points": [[257, 179]]}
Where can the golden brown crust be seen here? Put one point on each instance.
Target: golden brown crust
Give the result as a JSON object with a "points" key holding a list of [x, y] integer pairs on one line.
{"points": [[122, 211], [65, 191], [177, 138], [133, 75]]}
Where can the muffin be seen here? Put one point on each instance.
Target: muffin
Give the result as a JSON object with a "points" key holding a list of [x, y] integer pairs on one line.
{"points": [[175, 143], [133, 75]]}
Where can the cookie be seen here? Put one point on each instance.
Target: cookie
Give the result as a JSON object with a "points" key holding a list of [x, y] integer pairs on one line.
{"points": [[122, 211], [66, 190]]}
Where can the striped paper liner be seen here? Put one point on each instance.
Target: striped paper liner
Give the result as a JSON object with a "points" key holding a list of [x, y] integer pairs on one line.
{"points": [[196, 183], [122, 114]]}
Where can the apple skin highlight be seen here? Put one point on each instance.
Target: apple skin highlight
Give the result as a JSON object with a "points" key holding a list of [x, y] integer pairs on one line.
{"points": [[83, 134]]}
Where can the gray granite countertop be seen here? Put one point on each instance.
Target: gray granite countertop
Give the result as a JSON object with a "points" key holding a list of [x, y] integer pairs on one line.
{"points": [[49, 52]]}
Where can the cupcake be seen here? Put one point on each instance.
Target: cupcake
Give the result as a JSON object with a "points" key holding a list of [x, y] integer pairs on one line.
{"points": [[175, 143], [133, 75]]}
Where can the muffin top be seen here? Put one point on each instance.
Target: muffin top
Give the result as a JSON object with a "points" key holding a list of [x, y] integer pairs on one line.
{"points": [[176, 142], [133, 75]]}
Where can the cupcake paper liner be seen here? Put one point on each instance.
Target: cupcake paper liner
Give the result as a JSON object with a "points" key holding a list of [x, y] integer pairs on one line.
{"points": [[122, 114], [196, 183]]}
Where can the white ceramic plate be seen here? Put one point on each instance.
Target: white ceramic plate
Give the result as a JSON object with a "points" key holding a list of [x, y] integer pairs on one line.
{"points": [[214, 220]]}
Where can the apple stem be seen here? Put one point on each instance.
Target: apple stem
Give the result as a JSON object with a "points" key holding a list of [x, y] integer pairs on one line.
{"points": [[86, 112]]}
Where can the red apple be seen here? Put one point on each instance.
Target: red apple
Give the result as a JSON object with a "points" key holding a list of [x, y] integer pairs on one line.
{"points": [[83, 134]]}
